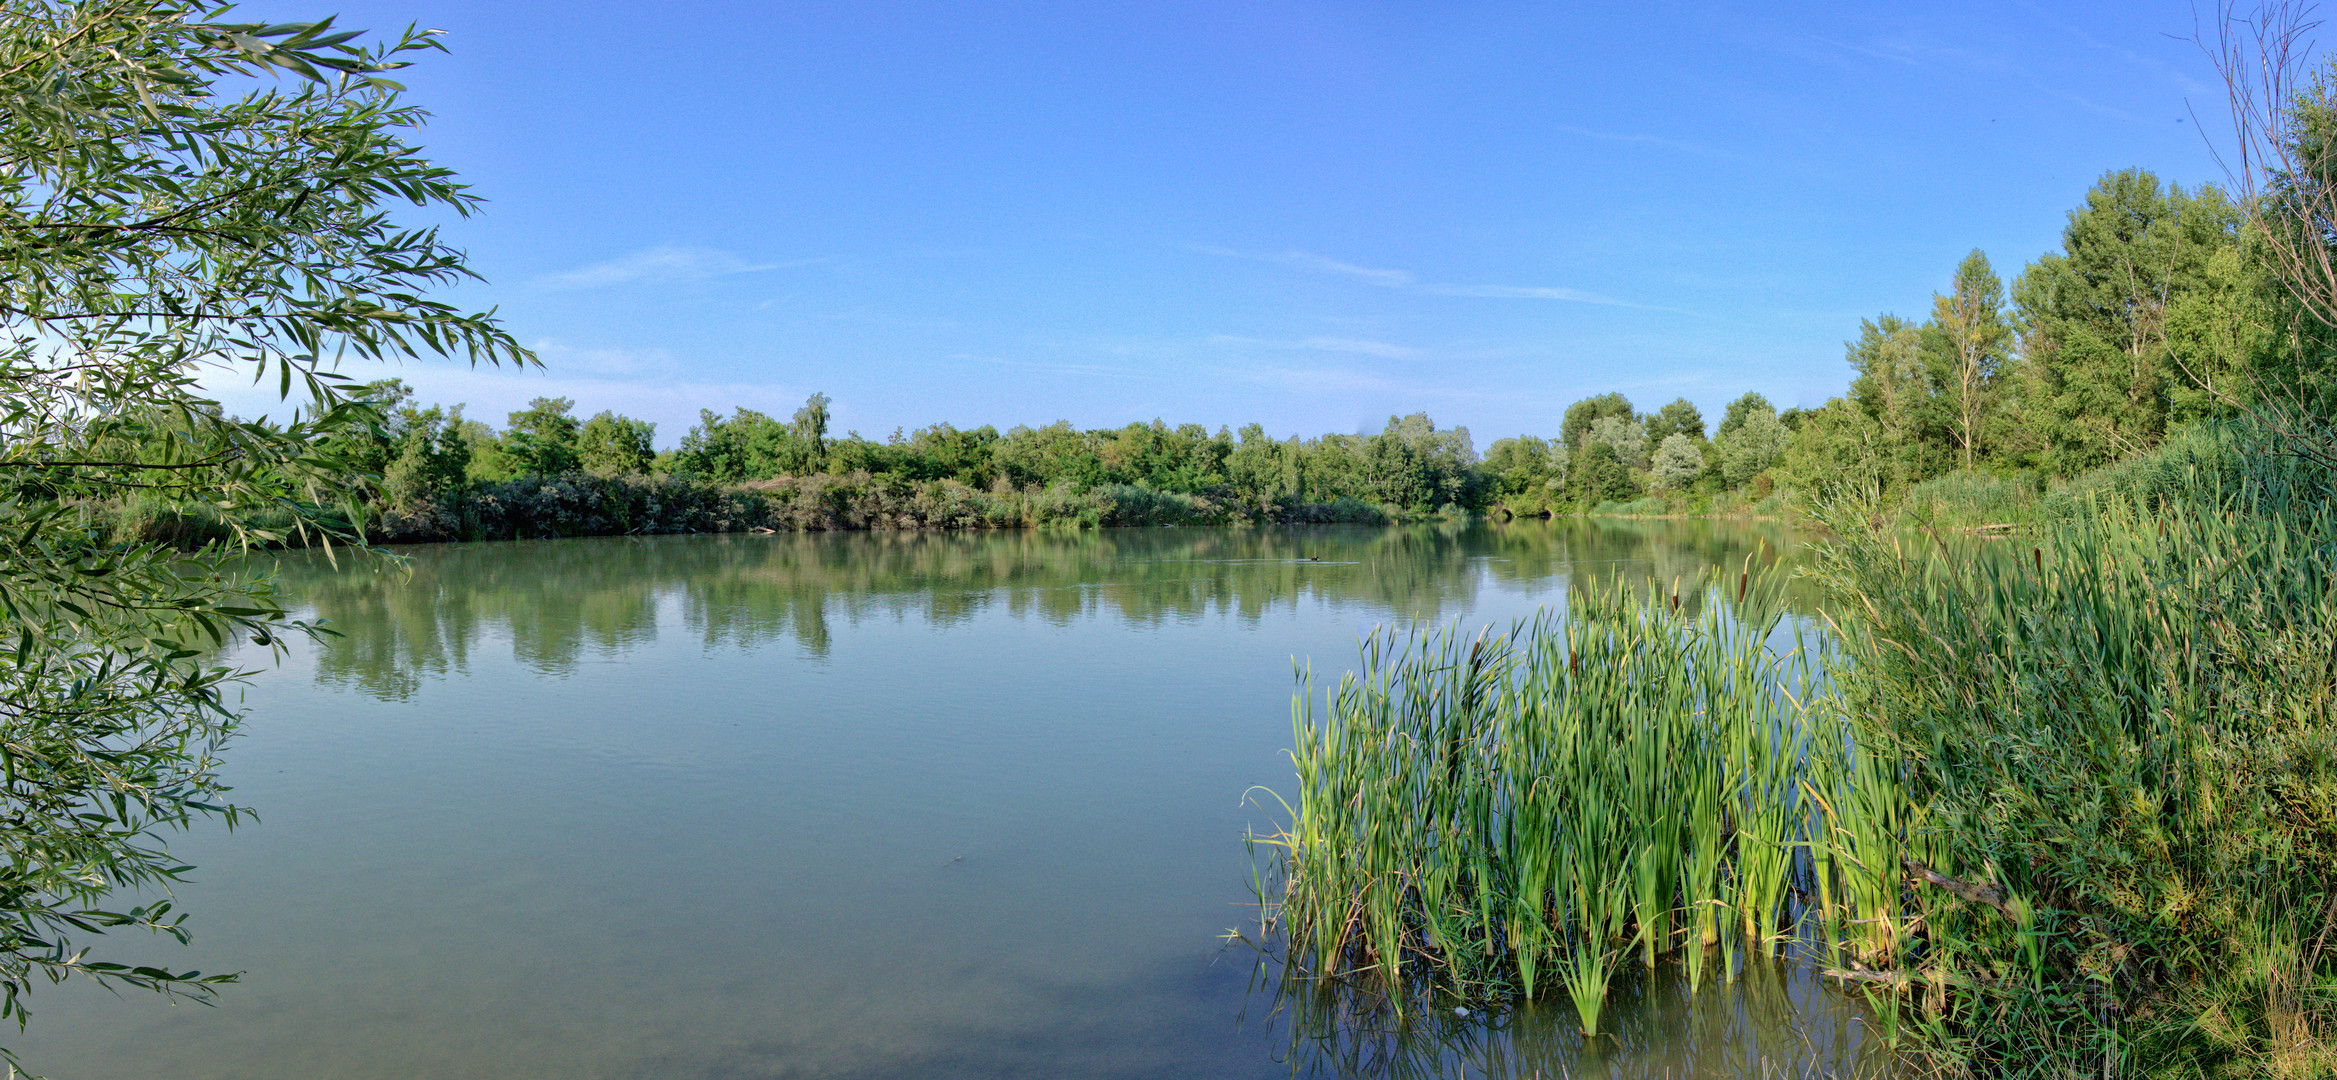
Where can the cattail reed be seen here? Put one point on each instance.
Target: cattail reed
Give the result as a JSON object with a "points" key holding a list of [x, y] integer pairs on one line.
{"points": [[1529, 809]]}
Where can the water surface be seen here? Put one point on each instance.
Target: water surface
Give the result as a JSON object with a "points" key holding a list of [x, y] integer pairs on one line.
{"points": [[943, 805]]}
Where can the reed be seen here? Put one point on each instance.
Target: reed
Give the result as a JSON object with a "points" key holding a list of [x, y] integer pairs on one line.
{"points": [[2120, 736], [1501, 811]]}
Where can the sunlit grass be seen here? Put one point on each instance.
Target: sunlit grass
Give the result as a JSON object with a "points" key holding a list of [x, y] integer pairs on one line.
{"points": [[1521, 812]]}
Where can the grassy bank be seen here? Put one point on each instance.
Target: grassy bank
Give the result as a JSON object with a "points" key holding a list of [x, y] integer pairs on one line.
{"points": [[2066, 805]]}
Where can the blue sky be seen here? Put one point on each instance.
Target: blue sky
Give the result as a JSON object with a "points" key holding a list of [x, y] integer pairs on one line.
{"points": [[1307, 215]]}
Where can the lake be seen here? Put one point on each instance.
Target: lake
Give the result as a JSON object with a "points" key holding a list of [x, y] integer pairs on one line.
{"points": [[856, 805]]}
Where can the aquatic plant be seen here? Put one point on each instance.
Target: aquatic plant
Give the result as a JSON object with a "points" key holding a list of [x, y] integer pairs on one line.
{"points": [[1501, 811]]}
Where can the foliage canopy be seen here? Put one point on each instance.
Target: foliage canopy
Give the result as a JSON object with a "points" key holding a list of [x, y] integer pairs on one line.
{"points": [[182, 198]]}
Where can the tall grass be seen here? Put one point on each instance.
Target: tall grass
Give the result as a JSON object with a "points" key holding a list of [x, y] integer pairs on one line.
{"points": [[1524, 812], [2124, 731]]}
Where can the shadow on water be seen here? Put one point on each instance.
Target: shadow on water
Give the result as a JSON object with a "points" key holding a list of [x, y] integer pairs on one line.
{"points": [[553, 603]]}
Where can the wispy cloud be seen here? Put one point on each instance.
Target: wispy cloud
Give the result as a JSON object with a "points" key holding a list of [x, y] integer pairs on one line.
{"points": [[1406, 281], [1990, 63], [1334, 379], [1392, 279], [1097, 371], [1647, 140], [559, 356], [1354, 346], [662, 263], [1532, 292]]}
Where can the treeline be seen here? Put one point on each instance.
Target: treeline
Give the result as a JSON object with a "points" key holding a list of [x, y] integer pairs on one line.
{"points": [[2156, 312], [2153, 314], [551, 473]]}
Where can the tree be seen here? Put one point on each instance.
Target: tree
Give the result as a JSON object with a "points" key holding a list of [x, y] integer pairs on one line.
{"points": [[747, 445], [613, 445], [1526, 466], [808, 436], [1738, 410], [1750, 448], [1574, 432], [1893, 387], [2095, 317], [1599, 475], [542, 437], [169, 208], [433, 459], [1967, 339], [1678, 418], [1678, 462], [1626, 433]]}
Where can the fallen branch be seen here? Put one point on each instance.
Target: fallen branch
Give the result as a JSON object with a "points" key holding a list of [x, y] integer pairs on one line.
{"points": [[1963, 890]]}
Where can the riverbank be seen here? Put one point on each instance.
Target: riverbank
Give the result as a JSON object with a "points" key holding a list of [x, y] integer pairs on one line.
{"points": [[579, 504]]}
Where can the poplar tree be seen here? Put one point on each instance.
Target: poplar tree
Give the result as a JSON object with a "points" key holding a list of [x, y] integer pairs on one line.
{"points": [[1969, 335]]}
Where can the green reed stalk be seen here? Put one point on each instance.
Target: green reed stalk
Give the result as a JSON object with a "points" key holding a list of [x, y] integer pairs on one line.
{"points": [[1505, 808]]}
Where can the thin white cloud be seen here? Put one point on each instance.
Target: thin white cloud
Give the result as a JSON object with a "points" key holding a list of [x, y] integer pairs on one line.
{"points": [[1527, 292], [1405, 280], [1389, 279], [1356, 346], [1994, 64], [560, 356], [662, 263], [1647, 140]]}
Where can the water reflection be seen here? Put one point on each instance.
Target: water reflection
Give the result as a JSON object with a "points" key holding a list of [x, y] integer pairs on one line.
{"points": [[850, 806], [1775, 1019], [553, 604]]}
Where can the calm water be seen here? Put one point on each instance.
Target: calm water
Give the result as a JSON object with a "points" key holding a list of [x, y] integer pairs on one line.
{"points": [[831, 806]]}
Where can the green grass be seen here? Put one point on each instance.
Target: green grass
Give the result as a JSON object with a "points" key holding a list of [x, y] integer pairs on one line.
{"points": [[2126, 724], [2065, 806], [1524, 812]]}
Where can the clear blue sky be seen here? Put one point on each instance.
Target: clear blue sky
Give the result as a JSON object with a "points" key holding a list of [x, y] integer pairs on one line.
{"points": [[1308, 215]]}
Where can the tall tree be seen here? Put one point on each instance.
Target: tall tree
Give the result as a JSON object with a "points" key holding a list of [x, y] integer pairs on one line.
{"points": [[1574, 431], [1741, 408], [1893, 387], [809, 434], [1969, 335], [614, 445], [1678, 461], [542, 437], [1681, 417], [2094, 316]]}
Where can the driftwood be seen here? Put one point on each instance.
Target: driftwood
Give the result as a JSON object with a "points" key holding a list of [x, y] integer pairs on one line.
{"points": [[1909, 978], [1963, 890]]}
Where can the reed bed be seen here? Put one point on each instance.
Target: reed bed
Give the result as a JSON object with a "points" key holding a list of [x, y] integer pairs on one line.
{"points": [[2126, 726], [1520, 812], [2064, 806]]}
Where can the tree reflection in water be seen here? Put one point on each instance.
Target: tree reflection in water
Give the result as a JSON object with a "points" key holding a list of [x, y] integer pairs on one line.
{"points": [[554, 602]]}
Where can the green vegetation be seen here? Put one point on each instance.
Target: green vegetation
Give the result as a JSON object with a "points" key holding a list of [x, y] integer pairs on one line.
{"points": [[1524, 812], [2126, 727], [2064, 800], [170, 207], [2066, 806], [2161, 310]]}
